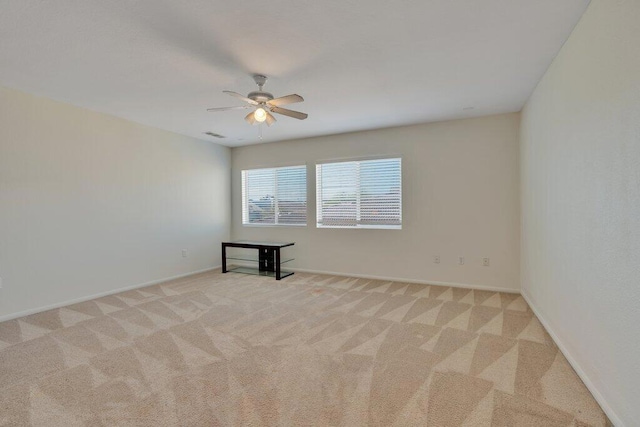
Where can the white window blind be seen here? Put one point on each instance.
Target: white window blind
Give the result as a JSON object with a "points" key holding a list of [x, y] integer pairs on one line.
{"points": [[275, 196], [364, 194]]}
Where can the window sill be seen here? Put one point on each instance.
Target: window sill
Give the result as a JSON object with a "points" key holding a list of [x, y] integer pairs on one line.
{"points": [[273, 225], [360, 227]]}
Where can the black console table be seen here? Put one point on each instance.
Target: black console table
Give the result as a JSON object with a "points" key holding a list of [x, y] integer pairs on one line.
{"points": [[269, 258]]}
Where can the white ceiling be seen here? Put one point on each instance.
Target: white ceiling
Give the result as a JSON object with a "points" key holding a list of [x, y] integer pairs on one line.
{"points": [[359, 64]]}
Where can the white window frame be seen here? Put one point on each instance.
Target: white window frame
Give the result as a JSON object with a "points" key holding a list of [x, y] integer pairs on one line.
{"points": [[245, 211], [358, 161]]}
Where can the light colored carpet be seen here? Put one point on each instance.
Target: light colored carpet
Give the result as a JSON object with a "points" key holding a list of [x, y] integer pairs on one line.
{"points": [[230, 349]]}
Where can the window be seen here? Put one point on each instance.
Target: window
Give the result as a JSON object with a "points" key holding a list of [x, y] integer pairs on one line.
{"points": [[359, 194], [275, 196]]}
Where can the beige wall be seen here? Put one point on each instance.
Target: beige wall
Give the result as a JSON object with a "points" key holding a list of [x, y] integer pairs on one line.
{"points": [[90, 203], [460, 196], [580, 159]]}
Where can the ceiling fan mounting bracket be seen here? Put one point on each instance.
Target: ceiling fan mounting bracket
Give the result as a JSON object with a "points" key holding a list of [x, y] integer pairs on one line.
{"points": [[260, 80]]}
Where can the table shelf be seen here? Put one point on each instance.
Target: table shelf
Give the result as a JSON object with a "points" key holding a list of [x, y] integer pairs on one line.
{"points": [[252, 258], [257, 272]]}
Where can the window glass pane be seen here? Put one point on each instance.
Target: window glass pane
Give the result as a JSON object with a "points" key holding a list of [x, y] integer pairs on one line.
{"points": [[380, 199], [292, 195], [337, 194], [260, 193]]}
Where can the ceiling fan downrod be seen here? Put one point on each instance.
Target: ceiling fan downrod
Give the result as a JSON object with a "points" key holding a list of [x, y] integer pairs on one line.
{"points": [[260, 80]]}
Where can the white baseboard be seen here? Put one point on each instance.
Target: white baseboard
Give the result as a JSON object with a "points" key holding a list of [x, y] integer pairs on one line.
{"points": [[613, 417], [399, 279], [98, 295]]}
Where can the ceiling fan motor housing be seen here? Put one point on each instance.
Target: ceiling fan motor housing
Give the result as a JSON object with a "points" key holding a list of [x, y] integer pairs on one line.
{"points": [[260, 96]]}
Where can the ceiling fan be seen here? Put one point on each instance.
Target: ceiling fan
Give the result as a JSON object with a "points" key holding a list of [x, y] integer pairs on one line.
{"points": [[263, 104]]}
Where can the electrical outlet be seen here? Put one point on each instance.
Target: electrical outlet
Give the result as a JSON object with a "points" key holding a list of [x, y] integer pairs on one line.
{"points": [[485, 262], [461, 260], [436, 259], [185, 253]]}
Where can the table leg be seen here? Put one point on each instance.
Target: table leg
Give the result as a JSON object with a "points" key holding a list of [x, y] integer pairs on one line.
{"points": [[278, 264], [224, 258]]}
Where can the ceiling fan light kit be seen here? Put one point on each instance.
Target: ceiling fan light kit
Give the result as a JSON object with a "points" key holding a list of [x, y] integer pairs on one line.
{"points": [[263, 104], [260, 115]]}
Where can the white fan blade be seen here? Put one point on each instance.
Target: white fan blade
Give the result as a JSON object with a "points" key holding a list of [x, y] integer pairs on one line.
{"points": [[250, 119], [295, 114], [244, 98], [243, 107], [284, 100], [270, 119]]}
